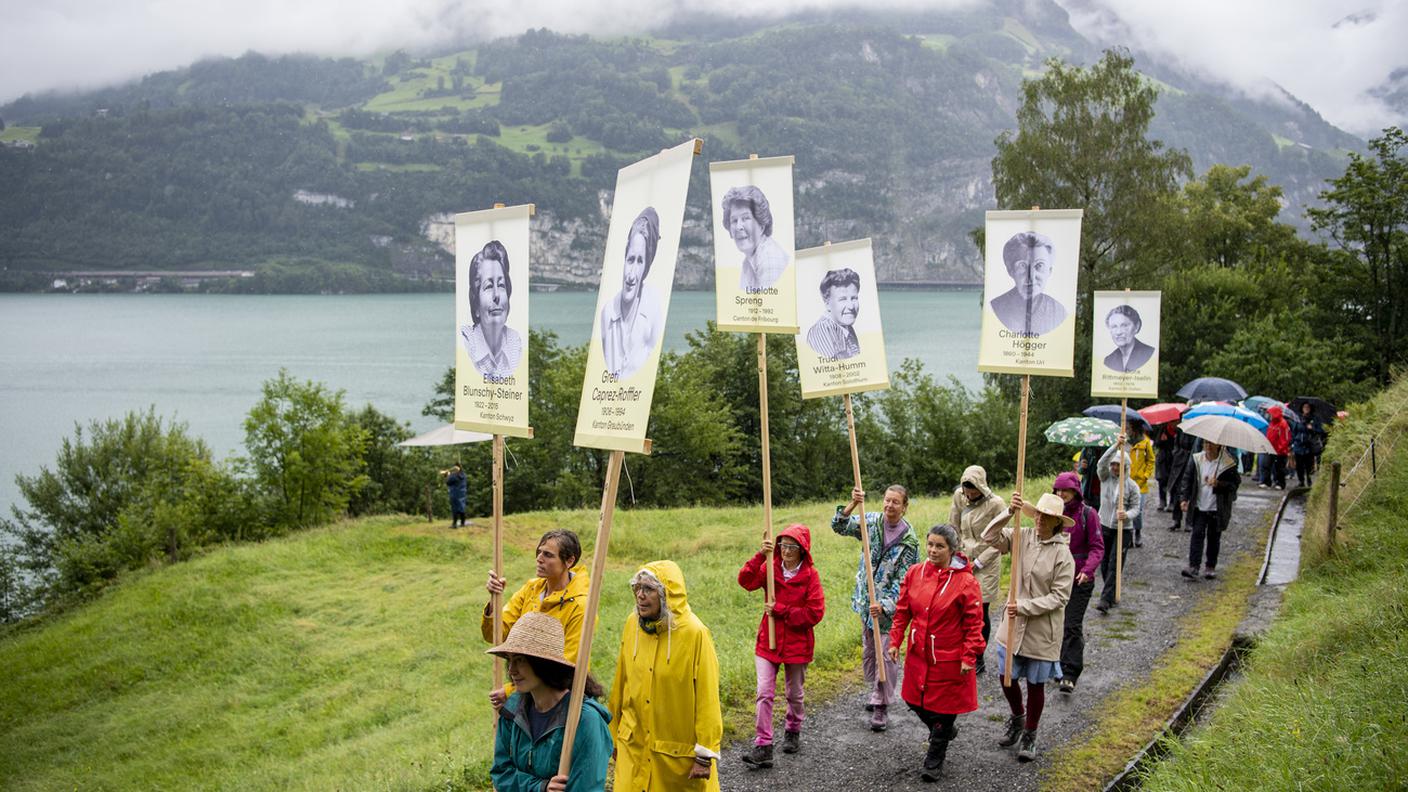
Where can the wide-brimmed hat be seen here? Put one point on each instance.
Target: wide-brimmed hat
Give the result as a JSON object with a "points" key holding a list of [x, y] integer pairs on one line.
{"points": [[535, 634], [1051, 505]]}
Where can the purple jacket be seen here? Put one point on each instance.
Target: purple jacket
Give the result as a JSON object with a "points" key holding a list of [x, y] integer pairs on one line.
{"points": [[1087, 543]]}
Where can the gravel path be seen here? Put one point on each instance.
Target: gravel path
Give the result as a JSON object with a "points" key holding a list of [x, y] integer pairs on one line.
{"points": [[839, 752]]}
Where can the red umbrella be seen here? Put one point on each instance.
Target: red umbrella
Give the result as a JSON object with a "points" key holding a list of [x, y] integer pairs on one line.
{"points": [[1165, 412]]}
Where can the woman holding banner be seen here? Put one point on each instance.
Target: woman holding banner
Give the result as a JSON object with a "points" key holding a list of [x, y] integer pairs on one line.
{"points": [[532, 723], [558, 590], [940, 609], [894, 548], [797, 608], [1036, 618]]}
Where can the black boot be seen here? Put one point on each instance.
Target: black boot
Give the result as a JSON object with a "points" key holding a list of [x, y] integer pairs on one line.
{"points": [[1014, 730], [760, 756], [791, 742], [934, 759]]}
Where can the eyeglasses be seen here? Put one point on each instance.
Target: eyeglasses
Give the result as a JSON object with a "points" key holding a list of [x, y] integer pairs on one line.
{"points": [[788, 546]]}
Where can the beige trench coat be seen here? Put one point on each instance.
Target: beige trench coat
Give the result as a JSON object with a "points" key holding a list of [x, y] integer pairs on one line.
{"points": [[969, 519], [1047, 571]]}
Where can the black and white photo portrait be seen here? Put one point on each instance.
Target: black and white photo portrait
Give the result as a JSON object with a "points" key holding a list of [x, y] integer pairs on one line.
{"points": [[1026, 308], [493, 347], [1130, 353], [834, 334], [632, 320], [747, 219]]}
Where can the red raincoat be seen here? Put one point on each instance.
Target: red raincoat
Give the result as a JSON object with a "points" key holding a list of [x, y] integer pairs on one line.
{"points": [[941, 611], [1279, 432], [800, 603]]}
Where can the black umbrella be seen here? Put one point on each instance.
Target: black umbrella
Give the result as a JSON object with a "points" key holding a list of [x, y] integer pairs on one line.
{"points": [[1212, 389], [1322, 409], [1111, 412]]}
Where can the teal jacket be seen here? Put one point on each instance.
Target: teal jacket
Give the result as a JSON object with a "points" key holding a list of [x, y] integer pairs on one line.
{"points": [[521, 765], [889, 564]]}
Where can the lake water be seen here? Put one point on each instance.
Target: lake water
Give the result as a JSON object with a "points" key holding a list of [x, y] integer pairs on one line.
{"points": [[67, 359]]}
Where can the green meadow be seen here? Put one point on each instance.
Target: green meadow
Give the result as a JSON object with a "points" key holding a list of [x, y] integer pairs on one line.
{"points": [[349, 657]]}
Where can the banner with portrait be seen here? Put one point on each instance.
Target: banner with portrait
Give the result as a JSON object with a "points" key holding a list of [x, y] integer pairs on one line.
{"points": [[637, 278], [491, 323], [1029, 292], [1124, 346], [841, 348], [754, 245]]}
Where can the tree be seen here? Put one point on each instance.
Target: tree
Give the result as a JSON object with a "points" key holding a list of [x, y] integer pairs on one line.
{"points": [[305, 452], [1081, 143], [1229, 221], [1366, 214]]}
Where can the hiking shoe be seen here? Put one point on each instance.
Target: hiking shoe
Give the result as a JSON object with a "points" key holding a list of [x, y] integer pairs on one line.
{"points": [[1103, 607], [878, 720], [1013, 731], [1068, 686], [760, 756], [791, 742], [1027, 750], [934, 759], [1190, 573], [1209, 573]]}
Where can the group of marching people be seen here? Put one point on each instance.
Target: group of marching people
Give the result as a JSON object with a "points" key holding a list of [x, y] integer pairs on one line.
{"points": [[662, 719]]}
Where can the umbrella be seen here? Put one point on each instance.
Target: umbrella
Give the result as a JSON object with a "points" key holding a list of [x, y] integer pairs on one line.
{"points": [[1228, 431], [1083, 432], [1212, 389], [1164, 412], [446, 435], [1231, 411], [1111, 413], [1322, 409], [1260, 403]]}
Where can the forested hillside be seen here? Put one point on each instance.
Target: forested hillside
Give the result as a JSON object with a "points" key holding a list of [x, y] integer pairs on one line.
{"points": [[350, 169]]}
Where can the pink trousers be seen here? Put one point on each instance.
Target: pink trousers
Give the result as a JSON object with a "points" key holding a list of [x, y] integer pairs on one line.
{"points": [[767, 691]]}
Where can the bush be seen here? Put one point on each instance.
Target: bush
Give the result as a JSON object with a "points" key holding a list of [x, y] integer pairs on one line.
{"points": [[305, 453]]}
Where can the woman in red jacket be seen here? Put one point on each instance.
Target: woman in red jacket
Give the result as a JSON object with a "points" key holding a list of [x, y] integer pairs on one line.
{"points": [[799, 605], [940, 611]]}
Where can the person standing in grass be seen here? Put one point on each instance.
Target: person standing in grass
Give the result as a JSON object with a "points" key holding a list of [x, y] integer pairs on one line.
{"points": [[558, 590], [940, 610], [457, 487], [1087, 546], [1113, 466], [1046, 572], [664, 702], [533, 721], [798, 607], [974, 506], [893, 549]]}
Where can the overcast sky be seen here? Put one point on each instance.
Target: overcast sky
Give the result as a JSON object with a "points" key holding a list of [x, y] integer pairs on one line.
{"points": [[1326, 52]]}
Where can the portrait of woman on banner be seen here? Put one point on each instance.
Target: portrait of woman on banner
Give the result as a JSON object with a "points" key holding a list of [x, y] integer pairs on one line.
{"points": [[631, 321], [834, 334], [1130, 353], [748, 221], [493, 347], [1026, 308]]}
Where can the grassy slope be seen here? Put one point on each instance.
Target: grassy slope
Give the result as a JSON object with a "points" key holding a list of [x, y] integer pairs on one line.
{"points": [[1321, 705], [350, 657]]}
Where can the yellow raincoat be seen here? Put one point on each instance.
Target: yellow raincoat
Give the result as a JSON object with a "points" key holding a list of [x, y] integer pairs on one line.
{"points": [[1141, 464], [664, 700], [568, 606]]}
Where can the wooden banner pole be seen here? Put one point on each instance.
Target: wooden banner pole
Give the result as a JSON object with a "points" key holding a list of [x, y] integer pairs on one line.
{"points": [[584, 647], [1014, 583], [767, 478], [496, 602], [1122, 456], [865, 540]]}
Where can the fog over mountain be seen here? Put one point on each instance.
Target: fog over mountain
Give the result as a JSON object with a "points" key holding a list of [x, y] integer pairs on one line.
{"points": [[1346, 61]]}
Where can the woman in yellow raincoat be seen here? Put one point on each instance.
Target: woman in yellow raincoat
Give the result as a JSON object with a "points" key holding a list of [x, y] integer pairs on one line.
{"points": [[664, 702]]}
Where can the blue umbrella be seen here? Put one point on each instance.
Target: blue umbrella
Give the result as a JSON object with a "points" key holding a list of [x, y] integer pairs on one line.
{"points": [[1111, 413], [1212, 389], [1260, 403], [1231, 411]]}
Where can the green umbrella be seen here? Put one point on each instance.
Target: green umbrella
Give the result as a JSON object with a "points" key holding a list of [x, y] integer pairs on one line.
{"points": [[1083, 431]]}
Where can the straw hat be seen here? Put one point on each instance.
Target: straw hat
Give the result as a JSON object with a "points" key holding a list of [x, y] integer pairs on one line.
{"points": [[1051, 505], [537, 635]]}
